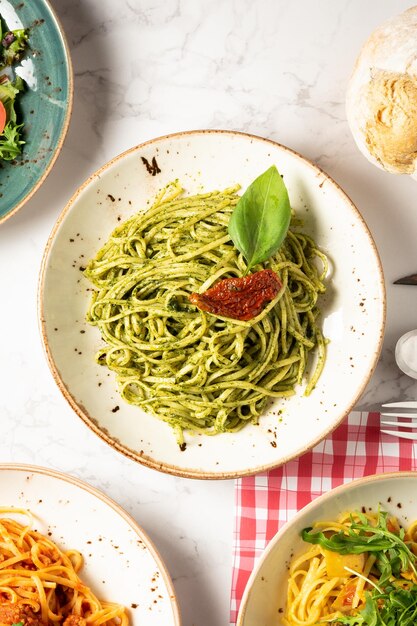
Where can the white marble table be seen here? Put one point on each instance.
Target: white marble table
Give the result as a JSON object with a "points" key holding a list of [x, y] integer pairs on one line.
{"points": [[145, 68]]}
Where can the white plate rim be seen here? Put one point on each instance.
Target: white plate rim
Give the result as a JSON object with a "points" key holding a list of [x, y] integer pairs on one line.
{"points": [[91, 423], [77, 482]]}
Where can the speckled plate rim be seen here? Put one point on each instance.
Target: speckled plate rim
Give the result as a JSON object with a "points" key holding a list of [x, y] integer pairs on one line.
{"points": [[65, 125], [311, 506], [36, 469], [82, 412]]}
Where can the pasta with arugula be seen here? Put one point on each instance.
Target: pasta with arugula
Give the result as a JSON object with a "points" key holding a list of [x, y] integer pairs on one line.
{"points": [[360, 570]]}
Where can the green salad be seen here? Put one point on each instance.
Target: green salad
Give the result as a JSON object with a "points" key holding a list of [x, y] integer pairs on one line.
{"points": [[13, 44]]}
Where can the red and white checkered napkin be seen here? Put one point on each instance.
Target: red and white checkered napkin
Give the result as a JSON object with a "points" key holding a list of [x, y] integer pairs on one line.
{"points": [[265, 502]]}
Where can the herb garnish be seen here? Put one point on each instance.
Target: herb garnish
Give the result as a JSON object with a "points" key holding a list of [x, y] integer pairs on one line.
{"points": [[261, 218], [386, 604], [392, 554], [393, 607]]}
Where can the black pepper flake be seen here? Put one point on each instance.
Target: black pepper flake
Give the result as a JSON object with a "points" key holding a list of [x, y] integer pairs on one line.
{"points": [[183, 447], [273, 444], [72, 240], [152, 167], [399, 505], [115, 409], [110, 197], [134, 605]]}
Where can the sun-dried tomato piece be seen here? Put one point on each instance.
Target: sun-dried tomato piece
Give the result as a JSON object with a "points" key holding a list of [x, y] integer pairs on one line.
{"points": [[239, 298]]}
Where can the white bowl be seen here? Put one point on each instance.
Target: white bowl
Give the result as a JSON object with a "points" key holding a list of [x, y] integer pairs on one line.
{"points": [[353, 310], [120, 562], [264, 598], [406, 353]]}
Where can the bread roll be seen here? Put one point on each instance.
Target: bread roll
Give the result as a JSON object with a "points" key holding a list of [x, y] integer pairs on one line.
{"points": [[381, 101]]}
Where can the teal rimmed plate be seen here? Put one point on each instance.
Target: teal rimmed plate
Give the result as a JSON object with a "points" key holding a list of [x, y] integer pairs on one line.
{"points": [[45, 106]]}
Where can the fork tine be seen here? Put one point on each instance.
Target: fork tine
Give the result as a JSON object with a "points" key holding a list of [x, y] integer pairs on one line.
{"points": [[409, 404], [396, 414], [401, 435], [399, 423]]}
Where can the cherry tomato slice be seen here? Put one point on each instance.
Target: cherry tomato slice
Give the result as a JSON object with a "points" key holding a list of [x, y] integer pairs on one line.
{"points": [[2, 117]]}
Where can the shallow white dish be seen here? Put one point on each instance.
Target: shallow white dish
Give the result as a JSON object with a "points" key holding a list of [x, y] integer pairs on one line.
{"points": [[353, 308], [406, 353], [121, 564], [264, 599]]}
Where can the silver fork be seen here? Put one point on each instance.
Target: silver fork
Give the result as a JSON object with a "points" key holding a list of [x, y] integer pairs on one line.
{"points": [[400, 409]]}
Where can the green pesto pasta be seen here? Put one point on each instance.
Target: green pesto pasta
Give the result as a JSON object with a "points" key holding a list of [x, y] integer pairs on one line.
{"points": [[194, 370]]}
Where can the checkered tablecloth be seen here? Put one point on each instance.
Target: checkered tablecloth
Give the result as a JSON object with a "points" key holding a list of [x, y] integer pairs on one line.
{"points": [[265, 502]]}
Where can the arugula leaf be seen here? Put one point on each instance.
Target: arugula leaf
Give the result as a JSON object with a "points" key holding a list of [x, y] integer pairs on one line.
{"points": [[394, 607], [10, 142], [393, 555], [261, 218]]}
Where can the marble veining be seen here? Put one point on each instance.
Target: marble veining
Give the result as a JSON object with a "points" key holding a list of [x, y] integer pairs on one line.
{"points": [[145, 68]]}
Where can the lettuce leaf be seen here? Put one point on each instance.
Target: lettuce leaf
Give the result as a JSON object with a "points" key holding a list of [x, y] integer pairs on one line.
{"points": [[10, 141], [13, 46]]}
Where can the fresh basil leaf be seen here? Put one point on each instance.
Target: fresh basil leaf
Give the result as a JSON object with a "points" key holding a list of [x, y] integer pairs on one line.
{"points": [[260, 220]]}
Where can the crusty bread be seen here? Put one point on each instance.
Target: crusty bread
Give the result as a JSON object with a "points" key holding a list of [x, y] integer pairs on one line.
{"points": [[381, 99]]}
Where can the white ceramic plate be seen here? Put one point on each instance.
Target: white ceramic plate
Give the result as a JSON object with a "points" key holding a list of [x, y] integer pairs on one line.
{"points": [[121, 564], [353, 308], [265, 595]]}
